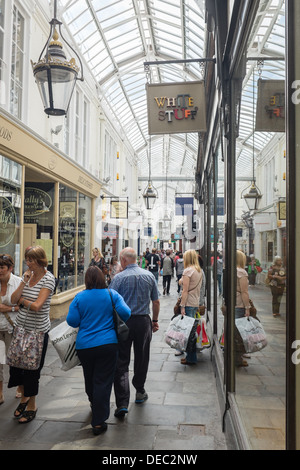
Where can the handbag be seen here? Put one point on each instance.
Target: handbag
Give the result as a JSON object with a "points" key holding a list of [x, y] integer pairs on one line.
{"points": [[121, 328], [25, 350], [63, 338], [252, 309]]}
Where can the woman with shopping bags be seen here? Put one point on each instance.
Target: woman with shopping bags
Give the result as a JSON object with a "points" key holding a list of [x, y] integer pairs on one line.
{"points": [[33, 297], [191, 284]]}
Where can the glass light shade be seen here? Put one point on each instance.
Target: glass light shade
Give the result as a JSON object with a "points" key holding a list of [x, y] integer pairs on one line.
{"points": [[252, 198], [56, 78], [149, 196]]}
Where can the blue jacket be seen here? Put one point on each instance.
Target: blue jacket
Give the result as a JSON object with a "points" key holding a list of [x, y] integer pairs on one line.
{"points": [[91, 311]]}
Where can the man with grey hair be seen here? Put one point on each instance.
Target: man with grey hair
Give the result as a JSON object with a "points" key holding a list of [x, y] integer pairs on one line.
{"points": [[138, 288]]}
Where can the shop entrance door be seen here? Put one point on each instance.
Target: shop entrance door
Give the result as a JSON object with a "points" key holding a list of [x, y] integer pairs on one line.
{"points": [[29, 238]]}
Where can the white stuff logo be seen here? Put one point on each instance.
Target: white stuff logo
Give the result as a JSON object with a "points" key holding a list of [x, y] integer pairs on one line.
{"points": [[296, 354], [296, 94]]}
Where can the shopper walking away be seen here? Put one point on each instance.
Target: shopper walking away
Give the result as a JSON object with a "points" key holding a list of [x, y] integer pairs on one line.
{"points": [[219, 272], [96, 343], [179, 270], [153, 263], [138, 287], [167, 267]]}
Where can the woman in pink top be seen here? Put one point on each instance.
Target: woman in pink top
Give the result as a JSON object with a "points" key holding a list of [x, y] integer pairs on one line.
{"points": [[191, 284], [242, 308]]}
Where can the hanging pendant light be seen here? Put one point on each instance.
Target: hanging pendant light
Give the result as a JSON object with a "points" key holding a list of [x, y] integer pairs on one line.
{"points": [[54, 74], [150, 193], [254, 195]]}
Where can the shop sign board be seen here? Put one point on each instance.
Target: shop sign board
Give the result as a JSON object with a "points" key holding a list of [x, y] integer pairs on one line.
{"points": [[270, 110], [119, 209], [175, 108]]}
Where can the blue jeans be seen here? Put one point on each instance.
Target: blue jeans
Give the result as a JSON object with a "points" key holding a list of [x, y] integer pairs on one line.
{"points": [[191, 355], [239, 312]]}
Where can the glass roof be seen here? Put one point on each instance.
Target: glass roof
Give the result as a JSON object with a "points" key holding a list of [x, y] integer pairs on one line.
{"points": [[267, 41], [115, 38]]}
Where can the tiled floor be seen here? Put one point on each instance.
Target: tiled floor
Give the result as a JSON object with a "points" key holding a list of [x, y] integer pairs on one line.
{"points": [[260, 388], [182, 412]]}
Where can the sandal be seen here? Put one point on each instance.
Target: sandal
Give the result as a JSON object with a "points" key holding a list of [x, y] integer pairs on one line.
{"points": [[29, 415], [20, 409], [243, 364], [185, 362]]}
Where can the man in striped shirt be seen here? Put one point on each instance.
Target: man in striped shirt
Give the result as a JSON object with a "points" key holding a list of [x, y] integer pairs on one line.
{"points": [[138, 287]]}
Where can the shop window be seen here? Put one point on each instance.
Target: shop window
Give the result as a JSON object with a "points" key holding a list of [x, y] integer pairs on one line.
{"points": [[84, 239], [74, 231], [39, 217], [67, 238], [10, 206]]}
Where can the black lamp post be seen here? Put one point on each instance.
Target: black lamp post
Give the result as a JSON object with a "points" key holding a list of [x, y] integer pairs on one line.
{"points": [[54, 74]]}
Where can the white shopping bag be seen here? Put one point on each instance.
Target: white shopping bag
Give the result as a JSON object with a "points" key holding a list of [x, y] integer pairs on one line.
{"points": [[252, 333], [178, 332], [63, 338]]}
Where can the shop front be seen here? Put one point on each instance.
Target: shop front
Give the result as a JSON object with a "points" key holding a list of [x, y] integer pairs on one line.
{"points": [[45, 200]]}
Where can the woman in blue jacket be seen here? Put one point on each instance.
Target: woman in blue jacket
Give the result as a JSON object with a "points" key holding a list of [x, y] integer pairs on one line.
{"points": [[96, 343]]}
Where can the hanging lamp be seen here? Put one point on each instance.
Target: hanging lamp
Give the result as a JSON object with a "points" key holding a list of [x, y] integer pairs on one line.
{"points": [[254, 195], [54, 74], [150, 193]]}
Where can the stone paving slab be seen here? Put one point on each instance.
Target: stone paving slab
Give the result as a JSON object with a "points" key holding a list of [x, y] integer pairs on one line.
{"points": [[182, 402]]}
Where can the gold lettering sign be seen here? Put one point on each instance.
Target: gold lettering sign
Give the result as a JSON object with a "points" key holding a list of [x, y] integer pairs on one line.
{"points": [[37, 202], [175, 108]]}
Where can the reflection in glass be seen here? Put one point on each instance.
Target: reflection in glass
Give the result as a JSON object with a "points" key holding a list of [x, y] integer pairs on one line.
{"points": [[67, 238], [10, 206]]}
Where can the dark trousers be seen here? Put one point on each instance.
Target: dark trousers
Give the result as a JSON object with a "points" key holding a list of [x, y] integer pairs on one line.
{"points": [[179, 276], [99, 366], [277, 293], [167, 282], [140, 335], [29, 379]]}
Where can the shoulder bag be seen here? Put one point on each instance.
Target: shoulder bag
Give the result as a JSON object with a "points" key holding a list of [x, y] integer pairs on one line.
{"points": [[25, 350], [121, 328]]}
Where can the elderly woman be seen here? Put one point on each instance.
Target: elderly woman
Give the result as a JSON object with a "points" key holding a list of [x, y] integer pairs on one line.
{"points": [[8, 312], [191, 284], [277, 277], [33, 297], [97, 343]]}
